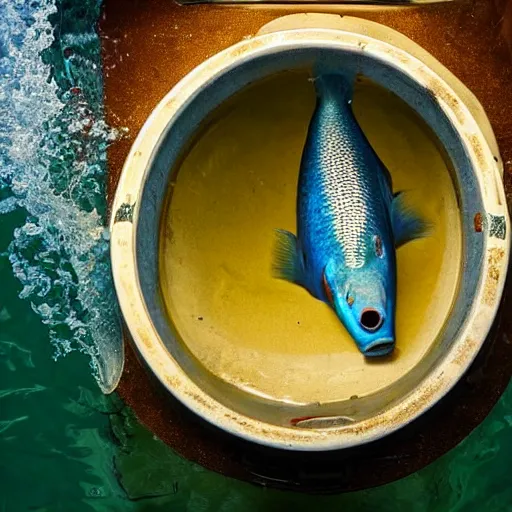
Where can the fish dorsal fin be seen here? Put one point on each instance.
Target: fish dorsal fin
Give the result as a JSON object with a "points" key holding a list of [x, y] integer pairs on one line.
{"points": [[407, 224]]}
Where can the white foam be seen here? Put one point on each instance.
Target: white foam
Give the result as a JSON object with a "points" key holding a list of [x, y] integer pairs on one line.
{"points": [[52, 164]]}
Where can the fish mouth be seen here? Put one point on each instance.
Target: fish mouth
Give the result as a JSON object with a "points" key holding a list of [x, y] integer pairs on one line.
{"points": [[371, 319], [382, 347]]}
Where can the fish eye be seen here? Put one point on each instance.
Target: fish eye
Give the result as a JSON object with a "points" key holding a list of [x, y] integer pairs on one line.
{"points": [[370, 319]]}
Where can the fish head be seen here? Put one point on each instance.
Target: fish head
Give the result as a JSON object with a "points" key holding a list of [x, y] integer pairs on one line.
{"points": [[363, 300]]}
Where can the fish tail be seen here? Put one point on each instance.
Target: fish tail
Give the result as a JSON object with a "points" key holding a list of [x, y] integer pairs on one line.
{"points": [[337, 85]]}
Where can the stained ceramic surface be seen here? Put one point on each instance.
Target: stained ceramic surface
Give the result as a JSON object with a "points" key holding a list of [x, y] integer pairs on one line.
{"points": [[436, 96]]}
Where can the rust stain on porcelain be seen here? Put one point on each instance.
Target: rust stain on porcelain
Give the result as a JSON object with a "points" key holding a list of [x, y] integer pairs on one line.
{"points": [[145, 339], [400, 415], [173, 381], [494, 261], [200, 399], [465, 352], [479, 152], [478, 222], [438, 90], [249, 46]]}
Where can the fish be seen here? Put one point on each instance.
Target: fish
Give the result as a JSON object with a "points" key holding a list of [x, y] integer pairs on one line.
{"points": [[349, 223]]}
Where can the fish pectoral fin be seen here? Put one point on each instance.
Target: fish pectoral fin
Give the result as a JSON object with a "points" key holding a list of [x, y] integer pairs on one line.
{"points": [[288, 263], [407, 224]]}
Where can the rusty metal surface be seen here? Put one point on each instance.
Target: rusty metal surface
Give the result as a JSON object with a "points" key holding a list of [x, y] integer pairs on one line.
{"points": [[148, 46]]}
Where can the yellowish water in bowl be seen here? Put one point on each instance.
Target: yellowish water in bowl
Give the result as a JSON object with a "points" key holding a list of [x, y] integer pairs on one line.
{"points": [[234, 187]]}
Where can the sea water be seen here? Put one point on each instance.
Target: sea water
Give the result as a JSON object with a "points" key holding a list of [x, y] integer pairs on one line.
{"points": [[234, 186], [53, 142]]}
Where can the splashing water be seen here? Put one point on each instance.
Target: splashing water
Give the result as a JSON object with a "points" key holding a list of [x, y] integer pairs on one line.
{"points": [[53, 142]]}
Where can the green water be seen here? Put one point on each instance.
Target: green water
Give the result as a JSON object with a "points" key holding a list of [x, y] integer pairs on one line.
{"points": [[64, 446]]}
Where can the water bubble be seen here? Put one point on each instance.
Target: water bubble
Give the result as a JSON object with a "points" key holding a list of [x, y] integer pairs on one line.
{"points": [[53, 142], [95, 492]]}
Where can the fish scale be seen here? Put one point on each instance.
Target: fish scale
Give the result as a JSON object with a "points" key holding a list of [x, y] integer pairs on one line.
{"points": [[348, 222], [344, 178]]}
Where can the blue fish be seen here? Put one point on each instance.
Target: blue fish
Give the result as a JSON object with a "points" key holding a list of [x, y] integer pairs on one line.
{"points": [[349, 223]]}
